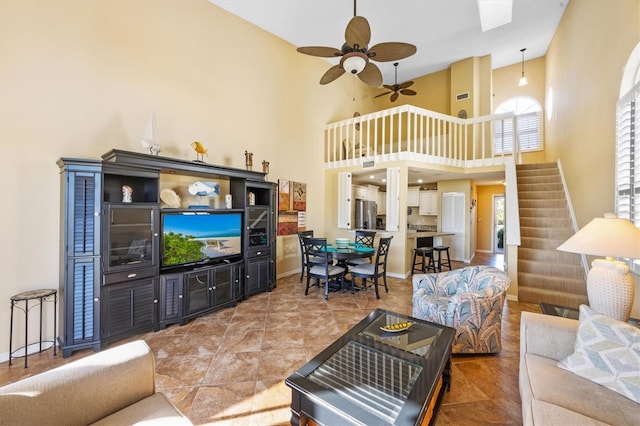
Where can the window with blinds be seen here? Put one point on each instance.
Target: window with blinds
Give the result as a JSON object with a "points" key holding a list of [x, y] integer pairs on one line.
{"points": [[627, 156], [528, 120]]}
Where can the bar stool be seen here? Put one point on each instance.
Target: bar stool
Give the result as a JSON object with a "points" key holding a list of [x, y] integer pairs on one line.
{"points": [[440, 250], [425, 266], [43, 295]]}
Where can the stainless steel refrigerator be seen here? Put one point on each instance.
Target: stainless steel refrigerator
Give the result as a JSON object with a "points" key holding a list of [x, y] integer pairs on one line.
{"points": [[366, 212]]}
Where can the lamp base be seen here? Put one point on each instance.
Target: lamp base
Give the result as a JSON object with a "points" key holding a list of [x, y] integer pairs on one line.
{"points": [[610, 289]]}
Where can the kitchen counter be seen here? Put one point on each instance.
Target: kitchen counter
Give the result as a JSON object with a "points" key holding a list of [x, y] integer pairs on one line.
{"points": [[420, 234]]}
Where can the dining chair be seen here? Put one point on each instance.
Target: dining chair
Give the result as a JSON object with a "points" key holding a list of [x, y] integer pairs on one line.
{"points": [[377, 269], [363, 239], [303, 258], [316, 248]]}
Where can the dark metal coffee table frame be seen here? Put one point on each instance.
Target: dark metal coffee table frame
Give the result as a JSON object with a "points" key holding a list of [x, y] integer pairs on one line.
{"points": [[319, 402]]}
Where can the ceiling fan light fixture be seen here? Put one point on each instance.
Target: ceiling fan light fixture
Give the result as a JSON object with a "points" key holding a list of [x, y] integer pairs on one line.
{"points": [[354, 62]]}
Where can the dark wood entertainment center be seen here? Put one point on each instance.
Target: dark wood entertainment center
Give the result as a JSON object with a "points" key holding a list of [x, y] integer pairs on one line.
{"points": [[111, 282]]}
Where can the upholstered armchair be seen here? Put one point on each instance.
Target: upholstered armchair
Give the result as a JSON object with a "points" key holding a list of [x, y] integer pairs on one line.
{"points": [[468, 299]]}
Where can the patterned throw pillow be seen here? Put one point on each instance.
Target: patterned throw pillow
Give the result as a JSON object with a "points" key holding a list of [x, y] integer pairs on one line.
{"points": [[607, 352]]}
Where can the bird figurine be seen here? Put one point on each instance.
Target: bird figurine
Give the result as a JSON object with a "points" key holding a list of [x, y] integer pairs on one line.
{"points": [[201, 151], [153, 147], [148, 140]]}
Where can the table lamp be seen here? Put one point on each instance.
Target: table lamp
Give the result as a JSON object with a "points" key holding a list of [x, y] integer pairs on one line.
{"points": [[610, 287]]}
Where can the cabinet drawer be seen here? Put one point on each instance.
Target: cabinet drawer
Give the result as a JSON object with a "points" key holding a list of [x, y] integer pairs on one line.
{"points": [[124, 276], [257, 253]]}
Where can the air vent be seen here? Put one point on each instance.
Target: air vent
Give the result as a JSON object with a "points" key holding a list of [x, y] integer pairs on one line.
{"points": [[462, 96], [368, 164]]}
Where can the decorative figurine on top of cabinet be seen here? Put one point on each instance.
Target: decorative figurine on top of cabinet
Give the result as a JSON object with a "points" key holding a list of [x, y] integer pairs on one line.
{"points": [[265, 168], [248, 158], [127, 194], [201, 151]]}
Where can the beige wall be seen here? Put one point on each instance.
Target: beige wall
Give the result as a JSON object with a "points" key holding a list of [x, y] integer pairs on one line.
{"points": [[79, 78], [584, 67]]}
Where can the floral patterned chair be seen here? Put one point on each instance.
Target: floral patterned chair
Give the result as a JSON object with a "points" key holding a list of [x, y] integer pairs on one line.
{"points": [[468, 299]]}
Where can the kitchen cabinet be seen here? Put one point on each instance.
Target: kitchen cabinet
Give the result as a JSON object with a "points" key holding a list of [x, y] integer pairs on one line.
{"points": [[413, 196], [372, 193], [428, 203], [382, 203]]}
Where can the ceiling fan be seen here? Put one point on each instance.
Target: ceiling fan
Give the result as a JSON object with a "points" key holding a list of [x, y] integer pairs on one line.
{"points": [[355, 55], [397, 89]]}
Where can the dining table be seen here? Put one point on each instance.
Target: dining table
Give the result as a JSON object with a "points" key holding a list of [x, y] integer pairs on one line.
{"points": [[343, 254]]}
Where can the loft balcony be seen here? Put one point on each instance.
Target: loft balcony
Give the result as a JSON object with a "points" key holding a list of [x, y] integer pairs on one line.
{"points": [[409, 133]]}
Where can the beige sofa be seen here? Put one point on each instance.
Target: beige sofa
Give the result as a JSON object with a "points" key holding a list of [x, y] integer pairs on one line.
{"points": [[554, 396], [112, 387]]}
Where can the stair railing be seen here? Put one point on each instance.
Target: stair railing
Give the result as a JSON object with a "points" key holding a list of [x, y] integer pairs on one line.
{"points": [[572, 215]]}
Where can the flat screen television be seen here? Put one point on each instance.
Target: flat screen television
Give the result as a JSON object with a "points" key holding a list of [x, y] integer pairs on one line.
{"points": [[191, 237]]}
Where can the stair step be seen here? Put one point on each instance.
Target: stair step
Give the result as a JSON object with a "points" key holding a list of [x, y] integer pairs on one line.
{"points": [[540, 203], [537, 295], [558, 223], [536, 166], [540, 178], [540, 186], [557, 235], [554, 268], [534, 243], [550, 212], [553, 283], [549, 255], [544, 195]]}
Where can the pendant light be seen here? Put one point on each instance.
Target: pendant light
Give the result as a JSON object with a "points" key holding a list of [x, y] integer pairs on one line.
{"points": [[523, 79]]}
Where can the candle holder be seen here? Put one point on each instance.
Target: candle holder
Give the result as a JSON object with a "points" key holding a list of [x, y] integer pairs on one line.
{"points": [[265, 168], [248, 159]]}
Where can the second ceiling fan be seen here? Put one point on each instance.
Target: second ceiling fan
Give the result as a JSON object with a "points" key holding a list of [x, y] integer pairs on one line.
{"points": [[355, 54], [397, 89]]}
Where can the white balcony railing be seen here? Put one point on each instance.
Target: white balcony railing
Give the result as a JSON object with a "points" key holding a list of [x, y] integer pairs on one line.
{"points": [[411, 133]]}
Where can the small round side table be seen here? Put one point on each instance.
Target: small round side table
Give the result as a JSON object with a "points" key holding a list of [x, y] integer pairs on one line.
{"points": [[41, 296]]}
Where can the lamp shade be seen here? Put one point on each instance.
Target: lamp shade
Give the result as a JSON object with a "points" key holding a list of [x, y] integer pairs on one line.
{"points": [[523, 81], [606, 236]]}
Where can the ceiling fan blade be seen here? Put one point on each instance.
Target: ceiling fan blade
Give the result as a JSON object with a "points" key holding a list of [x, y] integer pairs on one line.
{"points": [[382, 94], [394, 97], [405, 85], [392, 51], [331, 74], [358, 32], [323, 52], [371, 75], [389, 87], [408, 92]]}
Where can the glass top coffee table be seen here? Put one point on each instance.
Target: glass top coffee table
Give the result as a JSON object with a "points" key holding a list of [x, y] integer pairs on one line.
{"points": [[372, 376], [563, 311]]}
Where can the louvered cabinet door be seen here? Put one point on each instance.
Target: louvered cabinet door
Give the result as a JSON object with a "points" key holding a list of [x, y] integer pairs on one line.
{"points": [[128, 307], [80, 272]]}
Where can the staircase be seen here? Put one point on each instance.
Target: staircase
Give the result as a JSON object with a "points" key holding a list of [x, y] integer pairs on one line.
{"points": [[544, 273]]}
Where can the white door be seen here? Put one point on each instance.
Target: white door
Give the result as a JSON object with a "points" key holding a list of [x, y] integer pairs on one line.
{"points": [[453, 210], [344, 200]]}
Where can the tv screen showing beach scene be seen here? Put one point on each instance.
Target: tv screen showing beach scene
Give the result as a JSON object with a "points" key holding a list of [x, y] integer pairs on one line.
{"points": [[199, 237]]}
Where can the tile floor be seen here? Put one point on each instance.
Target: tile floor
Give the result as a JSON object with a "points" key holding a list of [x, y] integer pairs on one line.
{"points": [[227, 368]]}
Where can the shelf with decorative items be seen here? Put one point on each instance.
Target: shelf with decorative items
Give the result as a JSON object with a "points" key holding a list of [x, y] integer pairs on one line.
{"points": [[114, 282]]}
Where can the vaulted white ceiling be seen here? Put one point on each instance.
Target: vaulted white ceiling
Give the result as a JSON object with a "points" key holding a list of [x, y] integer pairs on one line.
{"points": [[444, 31]]}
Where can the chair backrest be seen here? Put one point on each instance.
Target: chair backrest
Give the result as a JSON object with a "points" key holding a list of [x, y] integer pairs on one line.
{"points": [[365, 238], [381, 254], [317, 248], [301, 236]]}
